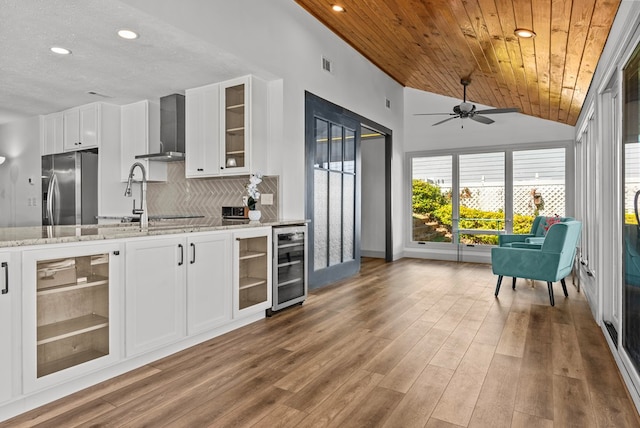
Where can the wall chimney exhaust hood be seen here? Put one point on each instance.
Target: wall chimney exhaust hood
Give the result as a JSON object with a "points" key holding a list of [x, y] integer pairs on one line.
{"points": [[172, 122]]}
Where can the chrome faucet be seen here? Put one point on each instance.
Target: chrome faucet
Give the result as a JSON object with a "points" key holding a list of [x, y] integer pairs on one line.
{"points": [[142, 211]]}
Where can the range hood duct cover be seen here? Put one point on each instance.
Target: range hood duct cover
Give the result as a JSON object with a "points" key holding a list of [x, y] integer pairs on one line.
{"points": [[172, 123]]}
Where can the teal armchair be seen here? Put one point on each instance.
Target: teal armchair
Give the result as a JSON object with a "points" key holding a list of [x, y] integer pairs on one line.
{"points": [[550, 261], [538, 231]]}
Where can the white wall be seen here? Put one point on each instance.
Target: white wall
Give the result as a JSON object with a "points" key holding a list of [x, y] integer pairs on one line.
{"points": [[373, 238], [282, 38], [20, 144]]}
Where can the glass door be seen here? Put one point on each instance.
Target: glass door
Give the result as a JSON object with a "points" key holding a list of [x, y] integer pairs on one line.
{"points": [[290, 267], [630, 199], [332, 153], [482, 198]]}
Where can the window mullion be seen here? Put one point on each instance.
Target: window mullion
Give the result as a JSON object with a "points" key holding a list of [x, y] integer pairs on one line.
{"points": [[508, 190]]}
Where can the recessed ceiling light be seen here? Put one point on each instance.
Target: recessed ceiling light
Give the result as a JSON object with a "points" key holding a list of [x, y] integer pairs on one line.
{"points": [[524, 33], [61, 51], [128, 34], [337, 8]]}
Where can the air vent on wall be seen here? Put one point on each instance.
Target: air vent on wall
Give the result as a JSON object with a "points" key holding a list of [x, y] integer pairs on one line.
{"points": [[326, 64]]}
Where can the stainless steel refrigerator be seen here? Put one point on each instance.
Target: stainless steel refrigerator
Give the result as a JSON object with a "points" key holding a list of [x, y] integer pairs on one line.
{"points": [[70, 188]]}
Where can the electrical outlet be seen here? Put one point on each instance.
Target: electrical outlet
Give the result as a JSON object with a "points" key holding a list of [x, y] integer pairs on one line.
{"points": [[267, 198]]}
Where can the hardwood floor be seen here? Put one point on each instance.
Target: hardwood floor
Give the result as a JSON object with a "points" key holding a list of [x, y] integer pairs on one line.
{"points": [[414, 343]]}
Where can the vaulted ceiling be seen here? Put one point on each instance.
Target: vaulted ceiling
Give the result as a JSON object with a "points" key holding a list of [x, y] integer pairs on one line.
{"points": [[432, 44]]}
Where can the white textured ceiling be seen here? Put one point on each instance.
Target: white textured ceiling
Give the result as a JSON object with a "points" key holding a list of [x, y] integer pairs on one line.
{"points": [[162, 61]]}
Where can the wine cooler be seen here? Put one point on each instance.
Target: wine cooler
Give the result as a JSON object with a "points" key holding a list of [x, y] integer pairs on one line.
{"points": [[289, 266]]}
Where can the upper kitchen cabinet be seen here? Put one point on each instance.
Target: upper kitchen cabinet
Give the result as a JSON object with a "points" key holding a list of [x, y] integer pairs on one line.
{"points": [[229, 139], [51, 134], [81, 127], [202, 117], [140, 134], [78, 128], [244, 128]]}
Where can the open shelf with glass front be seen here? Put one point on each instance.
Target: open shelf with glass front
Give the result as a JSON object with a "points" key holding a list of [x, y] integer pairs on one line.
{"points": [[252, 271], [72, 308], [234, 126]]}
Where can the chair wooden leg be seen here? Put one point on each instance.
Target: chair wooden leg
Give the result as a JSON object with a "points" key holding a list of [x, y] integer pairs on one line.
{"points": [[550, 286], [564, 287], [498, 284], [513, 284]]}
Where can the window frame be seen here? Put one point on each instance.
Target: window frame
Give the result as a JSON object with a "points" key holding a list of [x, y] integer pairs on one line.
{"points": [[570, 192]]}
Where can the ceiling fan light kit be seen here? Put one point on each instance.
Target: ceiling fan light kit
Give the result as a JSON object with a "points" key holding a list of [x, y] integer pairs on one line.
{"points": [[468, 110]]}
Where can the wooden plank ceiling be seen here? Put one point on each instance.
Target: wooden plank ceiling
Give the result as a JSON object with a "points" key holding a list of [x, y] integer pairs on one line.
{"points": [[432, 44]]}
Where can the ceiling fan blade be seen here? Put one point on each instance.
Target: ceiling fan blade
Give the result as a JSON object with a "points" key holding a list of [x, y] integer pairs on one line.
{"points": [[481, 119], [434, 114], [446, 120], [499, 110]]}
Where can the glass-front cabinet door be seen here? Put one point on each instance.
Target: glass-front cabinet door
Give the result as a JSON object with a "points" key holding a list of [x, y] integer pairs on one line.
{"points": [[69, 317], [234, 97], [252, 271]]}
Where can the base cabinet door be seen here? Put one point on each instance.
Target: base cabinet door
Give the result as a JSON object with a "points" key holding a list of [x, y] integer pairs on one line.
{"points": [[251, 271], [9, 328], [71, 311], [208, 281], [154, 293]]}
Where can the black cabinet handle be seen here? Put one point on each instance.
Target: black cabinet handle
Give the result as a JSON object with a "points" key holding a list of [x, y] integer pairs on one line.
{"points": [[181, 262], [116, 253], [200, 169], [193, 253], [5, 266]]}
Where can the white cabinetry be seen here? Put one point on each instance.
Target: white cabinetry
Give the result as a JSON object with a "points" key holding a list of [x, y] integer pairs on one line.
{"points": [[230, 137], [140, 135], [51, 134], [10, 373], [82, 127], [167, 278], [71, 318], [78, 128], [202, 131], [154, 293], [251, 271], [208, 281]]}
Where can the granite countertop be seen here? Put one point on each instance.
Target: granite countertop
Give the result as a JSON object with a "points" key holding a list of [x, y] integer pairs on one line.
{"points": [[39, 235]]}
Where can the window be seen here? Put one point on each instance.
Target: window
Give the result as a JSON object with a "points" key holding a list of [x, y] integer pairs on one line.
{"points": [[481, 198], [457, 196], [538, 186], [431, 198]]}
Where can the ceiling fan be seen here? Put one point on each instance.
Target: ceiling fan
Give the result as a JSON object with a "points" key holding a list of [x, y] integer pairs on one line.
{"points": [[467, 110]]}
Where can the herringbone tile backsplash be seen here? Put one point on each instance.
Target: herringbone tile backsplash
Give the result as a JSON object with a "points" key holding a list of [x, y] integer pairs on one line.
{"points": [[205, 196]]}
